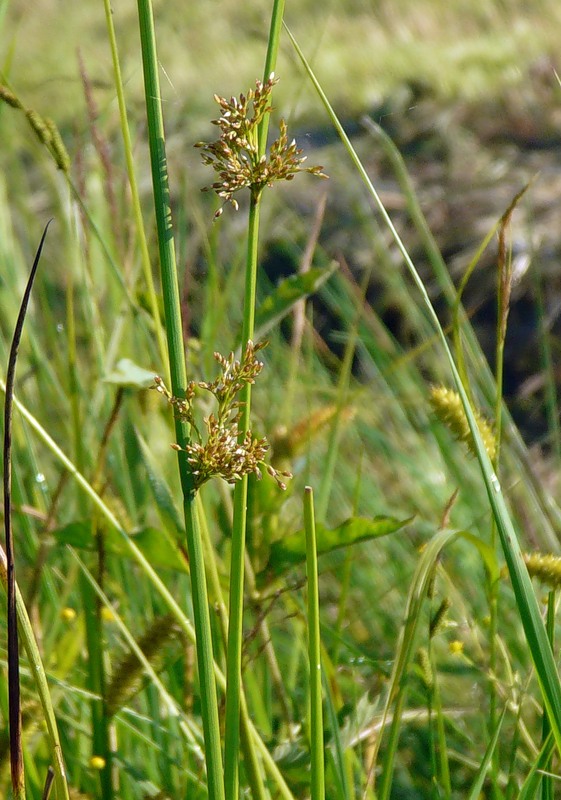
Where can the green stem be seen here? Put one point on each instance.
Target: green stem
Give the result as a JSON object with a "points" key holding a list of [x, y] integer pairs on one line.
{"points": [[170, 291], [317, 785], [135, 196], [270, 63], [548, 791], [235, 620]]}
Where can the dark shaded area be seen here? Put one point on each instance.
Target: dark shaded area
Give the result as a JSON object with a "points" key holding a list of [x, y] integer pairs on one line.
{"points": [[467, 161]]}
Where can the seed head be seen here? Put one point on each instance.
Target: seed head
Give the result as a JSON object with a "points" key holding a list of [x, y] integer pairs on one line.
{"points": [[448, 407], [235, 154], [221, 450]]}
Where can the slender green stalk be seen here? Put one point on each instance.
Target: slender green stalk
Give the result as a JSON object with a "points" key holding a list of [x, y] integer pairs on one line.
{"points": [[317, 786], [170, 291], [270, 63], [235, 617], [548, 785], [255, 779], [135, 197]]}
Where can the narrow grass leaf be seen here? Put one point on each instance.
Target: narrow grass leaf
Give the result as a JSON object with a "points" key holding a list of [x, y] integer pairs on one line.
{"points": [[335, 754], [405, 651], [317, 788], [14, 698], [477, 785], [531, 785]]}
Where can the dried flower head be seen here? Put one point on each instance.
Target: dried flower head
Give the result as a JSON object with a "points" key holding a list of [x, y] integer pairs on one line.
{"points": [[235, 154], [221, 451], [448, 407]]}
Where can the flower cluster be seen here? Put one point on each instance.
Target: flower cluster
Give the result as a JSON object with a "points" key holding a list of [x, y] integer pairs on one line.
{"points": [[222, 451], [235, 155]]}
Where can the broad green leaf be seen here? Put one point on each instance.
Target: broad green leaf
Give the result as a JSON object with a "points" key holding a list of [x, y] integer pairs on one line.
{"points": [[129, 375], [156, 545], [292, 549], [278, 304]]}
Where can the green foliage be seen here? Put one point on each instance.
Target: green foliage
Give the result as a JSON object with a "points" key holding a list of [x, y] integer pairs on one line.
{"points": [[291, 549], [156, 545]]}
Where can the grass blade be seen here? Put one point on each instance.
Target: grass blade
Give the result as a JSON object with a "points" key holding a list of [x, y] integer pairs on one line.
{"points": [[317, 788], [477, 785], [14, 701]]}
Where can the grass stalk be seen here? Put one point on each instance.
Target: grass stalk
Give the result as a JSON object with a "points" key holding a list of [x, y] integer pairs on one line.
{"points": [[317, 786], [548, 783], [239, 526], [135, 196], [236, 604], [178, 376]]}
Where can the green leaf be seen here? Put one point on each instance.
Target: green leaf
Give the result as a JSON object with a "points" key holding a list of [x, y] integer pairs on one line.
{"points": [[76, 534], [278, 304], [156, 545], [129, 375], [292, 549], [531, 785], [160, 549]]}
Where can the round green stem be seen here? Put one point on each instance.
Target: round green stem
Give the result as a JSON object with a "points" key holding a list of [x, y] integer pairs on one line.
{"points": [[235, 622], [170, 291]]}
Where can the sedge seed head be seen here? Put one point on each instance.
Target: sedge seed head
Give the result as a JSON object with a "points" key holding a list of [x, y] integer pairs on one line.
{"points": [[448, 407]]}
